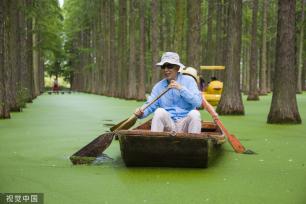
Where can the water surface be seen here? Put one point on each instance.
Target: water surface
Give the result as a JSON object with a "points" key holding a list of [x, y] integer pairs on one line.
{"points": [[35, 146]]}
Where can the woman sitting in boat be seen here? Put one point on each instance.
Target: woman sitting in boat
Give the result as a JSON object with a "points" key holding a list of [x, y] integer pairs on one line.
{"points": [[176, 110]]}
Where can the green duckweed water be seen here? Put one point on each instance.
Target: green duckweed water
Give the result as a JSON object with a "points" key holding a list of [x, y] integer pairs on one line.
{"points": [[35, 146]]}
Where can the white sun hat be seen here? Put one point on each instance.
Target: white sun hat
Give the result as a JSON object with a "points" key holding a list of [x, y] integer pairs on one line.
{"points": [[171, 58], [191, 72]]}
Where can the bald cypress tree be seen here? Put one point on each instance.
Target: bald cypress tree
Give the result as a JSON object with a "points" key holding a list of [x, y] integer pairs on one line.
{"points": [[300, 50], [113, 61], [263, 65], [210, 45], [13, 58], [123, 80], [284, 107], [231, 100], [29, 52], [155, 41], [131, 89], [180, 15], [194, 30], [4, 105], [142, 52], [253, 91]]}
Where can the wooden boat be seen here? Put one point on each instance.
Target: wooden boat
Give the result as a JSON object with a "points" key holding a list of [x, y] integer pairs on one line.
{"points": [[141, 147]]}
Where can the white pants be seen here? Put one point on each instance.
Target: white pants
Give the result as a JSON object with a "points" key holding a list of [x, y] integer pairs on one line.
{"points": [[162, 122]]}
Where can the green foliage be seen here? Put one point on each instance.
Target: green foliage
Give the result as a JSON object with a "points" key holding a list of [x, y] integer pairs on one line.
{"points": [[79, 15], [49, 27]]}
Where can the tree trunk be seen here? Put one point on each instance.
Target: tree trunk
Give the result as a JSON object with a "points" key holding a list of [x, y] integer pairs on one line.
{"points": [[87, 67], [35, 60], [304, 76], [142, 49], [271, 65], [180, 15], [300, 52], [263, 67], [284, 107], [23, 54], [13, 58], [4, 104], [123, 44], [194, 30], [99, 41], [29, 54], [104, 48], [209, 41], [253, 92], [246, 72], [167, 23], [41, 72], [272, 45], [89, 57], [113, 53], [2, 88], [163, 26], [219, 36], [231, 100], [132, 92], [155, 41], [224, 24], [246, 52], [268, 69], [18, 53], [94, 44], [81, 81]]}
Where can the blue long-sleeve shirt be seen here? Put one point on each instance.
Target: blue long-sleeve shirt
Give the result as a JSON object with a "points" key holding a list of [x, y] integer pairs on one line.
{"points": [[177, 102]]}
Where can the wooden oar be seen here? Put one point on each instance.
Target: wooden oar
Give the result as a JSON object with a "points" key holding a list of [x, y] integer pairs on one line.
{"points": [[236, 145], [89, 152], [129, 122]]}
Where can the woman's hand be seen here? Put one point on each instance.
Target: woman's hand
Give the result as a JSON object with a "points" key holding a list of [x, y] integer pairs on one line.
{"points": [[138, 112], [174, 84]]}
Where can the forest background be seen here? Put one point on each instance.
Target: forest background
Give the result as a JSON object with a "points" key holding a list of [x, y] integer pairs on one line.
{"points": [[110, 48]]}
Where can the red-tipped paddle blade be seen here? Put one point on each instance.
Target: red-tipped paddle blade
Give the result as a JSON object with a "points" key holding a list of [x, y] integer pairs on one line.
{"points": [[237, 146]]}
